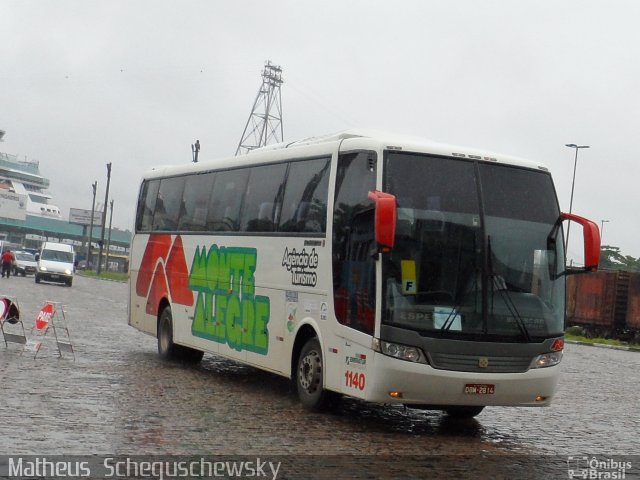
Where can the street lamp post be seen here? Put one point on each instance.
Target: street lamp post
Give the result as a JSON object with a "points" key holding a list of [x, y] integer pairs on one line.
{"points": [[573, 183], [94, 185]]}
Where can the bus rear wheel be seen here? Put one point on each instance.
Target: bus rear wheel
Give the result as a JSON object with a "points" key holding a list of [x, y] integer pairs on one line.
{"points": [[169, 350], [309, 377], [166, 347]]}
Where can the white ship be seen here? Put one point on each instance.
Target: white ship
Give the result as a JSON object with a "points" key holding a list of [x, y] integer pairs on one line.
{"points": [[22, 178]]}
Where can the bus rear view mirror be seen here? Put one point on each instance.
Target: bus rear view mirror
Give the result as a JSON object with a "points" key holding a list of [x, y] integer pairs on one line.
{"points": [[385, 219], [591, 235]]}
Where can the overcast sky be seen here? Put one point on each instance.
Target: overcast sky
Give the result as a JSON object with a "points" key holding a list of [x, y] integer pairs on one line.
{"points": [[84, 83]]}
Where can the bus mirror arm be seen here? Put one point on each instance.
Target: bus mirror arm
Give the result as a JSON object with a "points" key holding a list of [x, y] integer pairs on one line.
{"points": [[384, 220], [591, 235]]}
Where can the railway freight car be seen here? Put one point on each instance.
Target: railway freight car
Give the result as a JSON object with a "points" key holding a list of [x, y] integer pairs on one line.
{"points": [[605, 303]]}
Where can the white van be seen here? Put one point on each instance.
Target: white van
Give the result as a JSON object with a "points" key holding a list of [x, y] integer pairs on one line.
{"points": [[55, 263]]}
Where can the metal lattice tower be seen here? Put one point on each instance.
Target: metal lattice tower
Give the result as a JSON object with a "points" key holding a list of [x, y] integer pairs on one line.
{"points": [[265, 121]]}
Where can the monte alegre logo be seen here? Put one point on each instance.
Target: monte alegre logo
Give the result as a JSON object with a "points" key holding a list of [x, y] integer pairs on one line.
{"points": [[227, 310]]}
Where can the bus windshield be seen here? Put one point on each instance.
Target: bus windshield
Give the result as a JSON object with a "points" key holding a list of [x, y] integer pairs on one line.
{"points": [[475, 254]]}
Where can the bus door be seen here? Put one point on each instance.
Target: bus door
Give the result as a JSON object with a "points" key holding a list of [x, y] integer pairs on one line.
{"points": [[354, 267], [355, 306]]}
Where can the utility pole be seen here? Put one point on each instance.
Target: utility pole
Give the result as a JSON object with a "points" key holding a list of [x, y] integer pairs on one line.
{"points": [[94, 185], [104, 218], [265, 119], [106, 262]]}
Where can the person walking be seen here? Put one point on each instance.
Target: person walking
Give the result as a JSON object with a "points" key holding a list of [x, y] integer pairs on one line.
{"points": [[7, 262]]}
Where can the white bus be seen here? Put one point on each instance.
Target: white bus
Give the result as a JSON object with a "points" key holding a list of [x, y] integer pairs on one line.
{"points": [[388, 269]]}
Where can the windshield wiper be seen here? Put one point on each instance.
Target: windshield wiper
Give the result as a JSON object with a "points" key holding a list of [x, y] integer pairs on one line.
{"points": [[500, 285]]}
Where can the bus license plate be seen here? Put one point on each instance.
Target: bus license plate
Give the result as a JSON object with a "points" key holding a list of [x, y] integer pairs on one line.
{"points": [[479, 389]]}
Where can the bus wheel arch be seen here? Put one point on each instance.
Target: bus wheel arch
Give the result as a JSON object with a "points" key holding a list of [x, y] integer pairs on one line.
{"points": [[308, 371], [166, 348], [304, 334]]}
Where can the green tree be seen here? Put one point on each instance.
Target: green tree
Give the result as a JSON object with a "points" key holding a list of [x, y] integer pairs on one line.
{"points": [[612, 259]]}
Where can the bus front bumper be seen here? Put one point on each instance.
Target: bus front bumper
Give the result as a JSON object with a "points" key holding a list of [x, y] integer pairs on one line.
{"points": [[399, 381]]}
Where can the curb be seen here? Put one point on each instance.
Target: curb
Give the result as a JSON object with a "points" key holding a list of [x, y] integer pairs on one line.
{"points": [[100, 278]]}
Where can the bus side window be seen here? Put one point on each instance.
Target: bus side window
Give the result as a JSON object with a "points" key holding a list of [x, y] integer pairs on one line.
{"points": [[263, 198], [353, 238], [147, 205], [304, 206], [226, 202], [196, 201], [169, 204]]}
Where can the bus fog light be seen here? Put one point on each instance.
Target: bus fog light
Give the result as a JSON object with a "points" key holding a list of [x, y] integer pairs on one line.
{"points": [[402, 352], [547, 360]]}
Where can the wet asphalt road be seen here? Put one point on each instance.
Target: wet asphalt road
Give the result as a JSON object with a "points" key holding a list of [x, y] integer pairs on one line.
{"points": [[117, 397]]}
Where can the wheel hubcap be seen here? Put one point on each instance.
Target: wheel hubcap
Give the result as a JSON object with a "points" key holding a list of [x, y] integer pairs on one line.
{"points": [[310, 371]]}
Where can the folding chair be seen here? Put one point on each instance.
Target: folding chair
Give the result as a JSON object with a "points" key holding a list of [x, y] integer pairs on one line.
{"points": [[10, 324]]}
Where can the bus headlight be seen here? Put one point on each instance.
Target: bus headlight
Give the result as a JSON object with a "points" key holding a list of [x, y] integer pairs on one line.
{"points": [[67, 271], [399, 351], [547, 360], [43, 269]]}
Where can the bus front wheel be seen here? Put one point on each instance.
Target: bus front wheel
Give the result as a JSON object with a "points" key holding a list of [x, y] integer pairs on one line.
{"points": [[309, 377], [169, 350], [463, 411]]}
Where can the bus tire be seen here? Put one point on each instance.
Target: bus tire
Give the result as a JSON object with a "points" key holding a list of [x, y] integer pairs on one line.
{"points": [[169, 350], [166, 347], [461, 412], [309, 373]]}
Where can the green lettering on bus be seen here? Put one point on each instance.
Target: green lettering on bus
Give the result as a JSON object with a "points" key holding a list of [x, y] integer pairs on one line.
{"points": [[236, 269], [221, 327], [233, 323], [249, 270], [198, 275], [261, 341], [248, 323], [226, 309]]}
